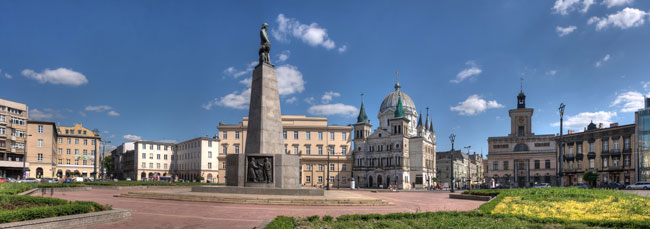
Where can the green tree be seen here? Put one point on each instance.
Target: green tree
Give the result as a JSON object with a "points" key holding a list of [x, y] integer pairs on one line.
{"points": [[108, 164], [591, 178]]}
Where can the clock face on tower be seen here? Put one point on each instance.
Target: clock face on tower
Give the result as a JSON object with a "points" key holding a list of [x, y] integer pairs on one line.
{"points": [[521, 120]]}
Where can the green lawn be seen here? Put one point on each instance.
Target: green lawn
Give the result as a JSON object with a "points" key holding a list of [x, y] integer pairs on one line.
{"points": [[513, 208]]}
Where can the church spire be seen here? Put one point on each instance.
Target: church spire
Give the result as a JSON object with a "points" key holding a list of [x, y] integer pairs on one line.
{"points": [[521, 98], [420, 121], [399, 110], [426, 125], [397, 86], [362, 118]]}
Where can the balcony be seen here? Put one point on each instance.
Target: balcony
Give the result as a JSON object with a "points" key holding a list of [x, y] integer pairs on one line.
{"points": [[569, 157]]}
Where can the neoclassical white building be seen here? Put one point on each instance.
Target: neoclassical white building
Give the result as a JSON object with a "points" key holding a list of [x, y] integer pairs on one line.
{"points": [[400, 152]]}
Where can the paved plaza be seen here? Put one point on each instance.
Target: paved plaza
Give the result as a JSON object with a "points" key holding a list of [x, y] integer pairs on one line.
{"points": [[148, 213]]}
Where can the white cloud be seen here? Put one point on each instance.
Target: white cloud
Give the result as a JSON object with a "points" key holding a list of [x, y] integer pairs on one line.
{"points": [[310, 100], [474, 105], [8, 76], [613, 3], [563, 7], [311, 34], [646, 85], [83, 114], [39, 115], [333, 109], [583, 119], [563, 31], [291, 100], [113, 113], [630, 101], [58, 76], [289, 80], [551, 73], [99, 108], [602, 61], [624, 19], [343, 48], [283, 56], [130, 137], [471, 70], [236, 100], [112, 136], [232, 71], [328, 96]]}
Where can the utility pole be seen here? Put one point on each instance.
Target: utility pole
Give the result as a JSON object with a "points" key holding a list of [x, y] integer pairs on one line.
{"points": [[469, 169], [561, 147], [452, 137]]}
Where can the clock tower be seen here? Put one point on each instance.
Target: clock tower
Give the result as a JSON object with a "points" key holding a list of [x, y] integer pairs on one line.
{"points": [[520, 118]]}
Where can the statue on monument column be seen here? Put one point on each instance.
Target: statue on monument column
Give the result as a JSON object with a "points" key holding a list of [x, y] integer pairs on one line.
{"points": [[267, 170], [252, 168], [265, 46]]}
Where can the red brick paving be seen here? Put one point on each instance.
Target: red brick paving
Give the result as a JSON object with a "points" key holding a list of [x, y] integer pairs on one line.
{"points": [[147, 213]]}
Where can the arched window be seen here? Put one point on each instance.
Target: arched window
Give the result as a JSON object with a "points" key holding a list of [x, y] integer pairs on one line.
{"points": [[521, 147], [39, 172]]}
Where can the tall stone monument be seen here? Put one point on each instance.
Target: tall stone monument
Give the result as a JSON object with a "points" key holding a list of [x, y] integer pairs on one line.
{"points": [[264, 163]]}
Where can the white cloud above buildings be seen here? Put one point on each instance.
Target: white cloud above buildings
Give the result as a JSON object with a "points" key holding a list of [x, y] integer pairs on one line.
{"points": [[131, 137], [614, 3], [624, 19], [236, 73], [283, 56], [474, 105], [563, 31], [6, 75], [581, 120], [101, 108], [328, 96], [311, 34], [39, 115], [630, 101], [62, 76], [333, 109], [564, 7], [471, 70], [603, 60]]}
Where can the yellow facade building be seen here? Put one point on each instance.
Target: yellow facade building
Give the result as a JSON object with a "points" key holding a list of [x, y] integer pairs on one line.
{"points": [[41, 149], [76, 150], [321, 147]]}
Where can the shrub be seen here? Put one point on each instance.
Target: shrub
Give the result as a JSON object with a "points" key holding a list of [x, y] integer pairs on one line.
{"points": [[313, 218], [282, 222], [328, 218]]}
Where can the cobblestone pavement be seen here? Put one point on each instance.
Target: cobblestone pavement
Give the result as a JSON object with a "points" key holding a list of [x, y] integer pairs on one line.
{"points": [[147, 213]]}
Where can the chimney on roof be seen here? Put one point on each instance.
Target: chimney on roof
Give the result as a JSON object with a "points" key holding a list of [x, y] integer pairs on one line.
{"points": [[571, 131], [614, 124], [600, 125]]}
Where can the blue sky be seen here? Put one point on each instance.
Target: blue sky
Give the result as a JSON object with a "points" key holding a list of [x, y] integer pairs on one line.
{"points": [[172, 70]]}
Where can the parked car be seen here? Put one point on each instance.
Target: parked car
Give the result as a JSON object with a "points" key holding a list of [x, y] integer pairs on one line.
{"points": [[542, 185], [580, 185], [614, 186], [28, 180], [500, 186], [49, 180], [11, 180], [639, 185]]}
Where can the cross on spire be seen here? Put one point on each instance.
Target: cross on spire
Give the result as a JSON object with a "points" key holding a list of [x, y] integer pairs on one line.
{"points": [[521, 86], [397, 86], [361, 97]]}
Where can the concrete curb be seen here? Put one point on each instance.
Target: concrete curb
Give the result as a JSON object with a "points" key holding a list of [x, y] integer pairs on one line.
{"points": [[28, 192], [72, 221], [469, 197]]}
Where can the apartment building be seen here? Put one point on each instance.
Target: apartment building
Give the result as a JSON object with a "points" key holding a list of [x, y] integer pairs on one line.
{"points": [[13, 132], [122, 157], [151, 161], [321, 147], [41, 149], [197, 158], [604, 151], [77, 149]]}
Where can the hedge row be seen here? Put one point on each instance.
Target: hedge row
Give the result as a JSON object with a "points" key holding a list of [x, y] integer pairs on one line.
{"points": [[77, 207]]}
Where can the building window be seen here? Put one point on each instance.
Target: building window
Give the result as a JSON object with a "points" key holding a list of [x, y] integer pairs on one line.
{"points": [[284, 134], [605, 146], [144, 155], [626, 161], [40, 129], [209, 165], [579, 164], [69, 141], [320, 150], [295, 149], [547, 164], [144, 165], [76, 162], [85, 162], [209, 154], [308, 135], [331, 167], [85, 142], [76, 152], [150, 155], [343, 180], [591, 147], [151, 146], [570, 164], [331, 150], [344, 150], [93, 142], [495, 165], [331, 135], [236, 149], [605, 164], [165, 166], [209, 144], [537, 165], [40, 157], [67, 161], [320, 135], [344, 136], [60, 140], [579, 148], [157, 147], [85, 152], [591, 163], [60, 161], [225, 149], [236, 134], [158, 156], [225, 135], [616, 145], [626, 144], [344, 167], [67, 151], [615, 162], [151, 165], [60, 151], [320, 167], [40, 143], [320, 179], [165, 156], [308, 167], [158, 165], [308, 179], [505, 165], [223, 165], [308, 149]]}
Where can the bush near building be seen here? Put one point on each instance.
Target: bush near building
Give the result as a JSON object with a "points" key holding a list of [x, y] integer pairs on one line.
{"points": [[512, 208]]}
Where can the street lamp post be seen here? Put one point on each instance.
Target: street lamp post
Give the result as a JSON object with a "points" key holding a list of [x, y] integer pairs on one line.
{"points": [[469, 169], [101, 159], [328, 167], [561, 147], [452, 137]]}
